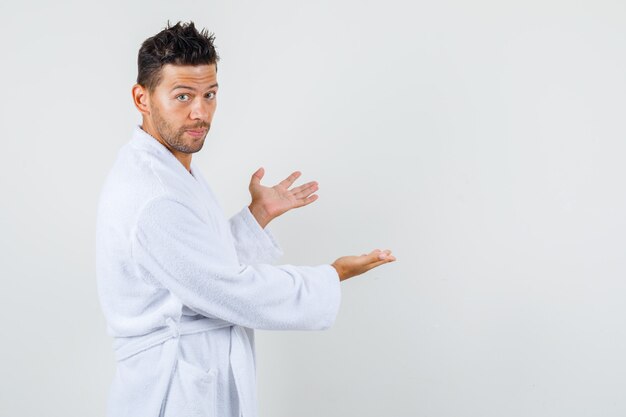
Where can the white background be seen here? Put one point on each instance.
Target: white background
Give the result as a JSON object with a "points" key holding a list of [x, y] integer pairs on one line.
{"points": [[483, 142]]}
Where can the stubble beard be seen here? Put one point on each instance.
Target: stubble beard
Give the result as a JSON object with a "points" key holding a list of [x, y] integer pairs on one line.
{"points": [[175, 137]]}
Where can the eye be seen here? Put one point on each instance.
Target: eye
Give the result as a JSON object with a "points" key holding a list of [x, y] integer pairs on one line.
{"points": [[210, 95], [186, 97]]}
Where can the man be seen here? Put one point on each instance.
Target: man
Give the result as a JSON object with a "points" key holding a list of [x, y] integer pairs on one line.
{"points": [[182, 287]]}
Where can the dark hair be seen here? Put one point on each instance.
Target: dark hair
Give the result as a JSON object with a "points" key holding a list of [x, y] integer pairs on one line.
{"points": [[178, 45]]}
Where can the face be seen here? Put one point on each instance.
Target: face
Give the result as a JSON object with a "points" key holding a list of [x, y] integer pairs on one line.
{"points": [[182, 105]]}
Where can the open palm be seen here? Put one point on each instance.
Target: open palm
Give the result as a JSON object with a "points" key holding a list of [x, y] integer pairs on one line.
{"points": [[278, 199]]}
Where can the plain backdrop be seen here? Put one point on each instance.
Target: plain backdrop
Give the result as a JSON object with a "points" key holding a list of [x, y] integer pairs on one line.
{"points": [[483, 142]]}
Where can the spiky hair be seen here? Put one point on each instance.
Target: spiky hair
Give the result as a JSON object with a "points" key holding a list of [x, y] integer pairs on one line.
{"points": [[180, 44]]}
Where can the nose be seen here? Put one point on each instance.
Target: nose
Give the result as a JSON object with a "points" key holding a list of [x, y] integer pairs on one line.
{"points": [[201, 109]]}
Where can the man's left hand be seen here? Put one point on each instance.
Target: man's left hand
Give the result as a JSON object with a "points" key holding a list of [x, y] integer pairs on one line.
{"points": [[270, 202]]}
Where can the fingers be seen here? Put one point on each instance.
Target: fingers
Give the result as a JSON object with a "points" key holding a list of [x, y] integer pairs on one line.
{"points": [[375, 264], [306, 201], [377, 255], [381, 257], [305, 189], [304, 193], [290, 179]]}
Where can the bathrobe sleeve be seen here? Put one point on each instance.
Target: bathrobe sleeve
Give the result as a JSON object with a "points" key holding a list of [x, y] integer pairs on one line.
{"points": [[174, 247], [253, 243]]}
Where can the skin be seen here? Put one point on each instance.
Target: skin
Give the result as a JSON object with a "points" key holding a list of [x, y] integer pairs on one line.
{"points": [[186, 99]]}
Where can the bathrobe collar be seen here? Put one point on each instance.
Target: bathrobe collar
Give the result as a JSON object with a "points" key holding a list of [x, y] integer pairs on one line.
{"points": [[143, 138], [193, 181]]}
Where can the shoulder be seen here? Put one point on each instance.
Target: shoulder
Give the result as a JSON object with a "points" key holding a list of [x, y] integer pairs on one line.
{"points": [[132, 180]]}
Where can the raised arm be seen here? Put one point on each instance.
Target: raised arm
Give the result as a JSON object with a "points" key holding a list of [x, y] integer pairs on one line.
{"points": [[175, 247], [253, 241]]}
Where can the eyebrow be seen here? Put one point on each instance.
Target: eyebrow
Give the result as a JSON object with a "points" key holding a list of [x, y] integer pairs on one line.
{"points": [[191, 88]]}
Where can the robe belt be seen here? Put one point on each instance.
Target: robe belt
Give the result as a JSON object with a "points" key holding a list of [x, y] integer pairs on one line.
{"points": [[241, 356]]}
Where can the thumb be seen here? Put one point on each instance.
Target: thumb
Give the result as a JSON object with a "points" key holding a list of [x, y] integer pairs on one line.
{"points": [[257, 176]]}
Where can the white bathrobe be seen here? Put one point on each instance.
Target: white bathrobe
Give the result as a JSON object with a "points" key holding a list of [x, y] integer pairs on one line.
{"points": [[182, 287]]}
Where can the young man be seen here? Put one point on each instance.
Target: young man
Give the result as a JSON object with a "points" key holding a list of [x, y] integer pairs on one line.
{"points": [[182, 287]]}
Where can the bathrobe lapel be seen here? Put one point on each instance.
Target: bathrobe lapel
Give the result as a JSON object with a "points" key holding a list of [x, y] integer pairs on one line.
{"points": [[187, 181]]}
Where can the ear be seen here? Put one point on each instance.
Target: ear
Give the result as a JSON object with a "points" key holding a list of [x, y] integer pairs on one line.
{"points": [[141, 99]]}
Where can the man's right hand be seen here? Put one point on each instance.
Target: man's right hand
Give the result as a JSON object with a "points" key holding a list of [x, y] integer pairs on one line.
{"points": [[351, 266]]}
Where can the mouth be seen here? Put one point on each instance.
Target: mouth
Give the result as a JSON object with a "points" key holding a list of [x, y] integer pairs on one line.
{"points": [[196, 133]]}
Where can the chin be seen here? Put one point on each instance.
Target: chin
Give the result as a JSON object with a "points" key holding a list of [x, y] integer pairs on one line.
{"points": [[198, 147]]}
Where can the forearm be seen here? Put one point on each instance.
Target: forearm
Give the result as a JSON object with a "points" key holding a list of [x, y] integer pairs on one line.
{"points": [[253, 243]]}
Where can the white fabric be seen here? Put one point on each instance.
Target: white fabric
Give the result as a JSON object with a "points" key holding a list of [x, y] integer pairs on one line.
{"points": [[166, 257]]}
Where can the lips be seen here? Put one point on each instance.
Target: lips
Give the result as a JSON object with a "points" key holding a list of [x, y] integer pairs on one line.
{"points": [[196, 132]]}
